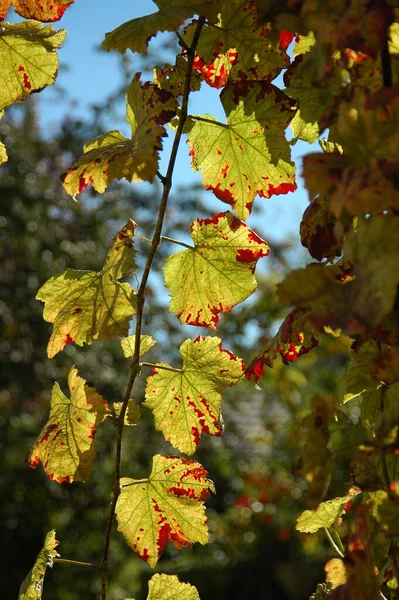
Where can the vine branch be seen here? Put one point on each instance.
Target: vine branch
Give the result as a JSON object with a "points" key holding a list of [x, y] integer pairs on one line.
{"points": [[135, 365]]}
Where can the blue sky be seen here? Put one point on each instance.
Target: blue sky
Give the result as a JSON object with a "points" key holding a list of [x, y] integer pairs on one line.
{"points": [[90, 75]]}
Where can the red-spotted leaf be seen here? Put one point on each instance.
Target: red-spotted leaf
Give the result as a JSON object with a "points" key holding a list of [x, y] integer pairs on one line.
{"points": [[234, 47], [32, 586], [249, 155], [172, 77], [28, 59], [166, 506], [217, 273], [92, 305], [66, 446], [296, 336], [112, 156], [44, 11], [168, 587], [187, 403]]}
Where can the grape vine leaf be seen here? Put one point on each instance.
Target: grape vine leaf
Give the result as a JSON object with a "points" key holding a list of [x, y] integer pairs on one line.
{"points": [[172, 77], [66, 446], [295, 337], [168, 587], [186, 404], [44, 11], [250, 154], [90, 305], [316, 461], [166, 506], [133, 413], [335, 572], [325, 515], [319, 231], [32, 586], [28, 58], [358, 378], [235, 47], [112, 156], [136, 34], [146, 343], [217, 273], [363, 178]]}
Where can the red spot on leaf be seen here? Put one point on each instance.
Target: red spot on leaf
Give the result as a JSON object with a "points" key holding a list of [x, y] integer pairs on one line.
{"points": [[27, 83], [196, 435], [68, 340], [283, 188], [286, 38]]}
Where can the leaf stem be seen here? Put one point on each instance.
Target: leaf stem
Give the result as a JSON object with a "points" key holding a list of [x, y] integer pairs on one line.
{"points": [[333, 544], [158, 366], [338, 539], [77, 563], [205, 120], [135, 365], [165, 238], [183, 43], [161, 177], [142, 237], [137, 482]]}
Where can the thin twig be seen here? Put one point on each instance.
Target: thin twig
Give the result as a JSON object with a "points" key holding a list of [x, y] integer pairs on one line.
{"points": [[165, 238], [183, 43], [135, 365], [77, 563], [142, 237], [161, 177]]}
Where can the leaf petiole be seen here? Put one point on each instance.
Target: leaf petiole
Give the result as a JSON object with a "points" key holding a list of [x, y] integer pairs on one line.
{"points": [[164, 238], [158, 366], [77, 563]]}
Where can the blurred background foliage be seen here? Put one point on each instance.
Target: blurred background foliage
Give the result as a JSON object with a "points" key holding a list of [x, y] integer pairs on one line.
{"points": [[254, 549]]}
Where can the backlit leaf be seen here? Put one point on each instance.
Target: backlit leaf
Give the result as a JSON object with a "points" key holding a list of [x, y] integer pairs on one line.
{"points": [[250, 154], [168, 587], [28, 59], [358, 377], [235, 47], [188, 403], [146, 343], [167, 506], [217, 273], [88, 305], [66, 446], [172, 77], [45, 10], [325, 515], [335, 572], [319, 231], [32, 586], [133, 412], [112, 156], [296, 336]]}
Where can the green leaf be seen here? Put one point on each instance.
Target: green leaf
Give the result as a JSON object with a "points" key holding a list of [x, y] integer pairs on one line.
{"points": [[168, 587], [173, 77], [87, 305], [135, 34], [167, 506], [66, 446], [217, 273], [28, 59], [325, 515], [112, 156], [133, 413], [358, 378], [32, 586], [250, 154], [234, 47], [187, 403], [45, 10], [146, 343]]}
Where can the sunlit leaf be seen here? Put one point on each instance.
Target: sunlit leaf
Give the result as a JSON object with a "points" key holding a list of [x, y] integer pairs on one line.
{"points": [[168, 587], [32, 586], [250, 154], [66, 446], [335, 572], [133, 412], [167, 506], [87, 305], [28, 59], [235, 47], [188, 403], [325, 515], [45, 10], [112, 156], [217, 273], [146, 343], [358, 377]]}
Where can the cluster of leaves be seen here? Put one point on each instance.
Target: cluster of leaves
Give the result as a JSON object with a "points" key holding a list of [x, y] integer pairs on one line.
{"points": [[343, 77]]}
